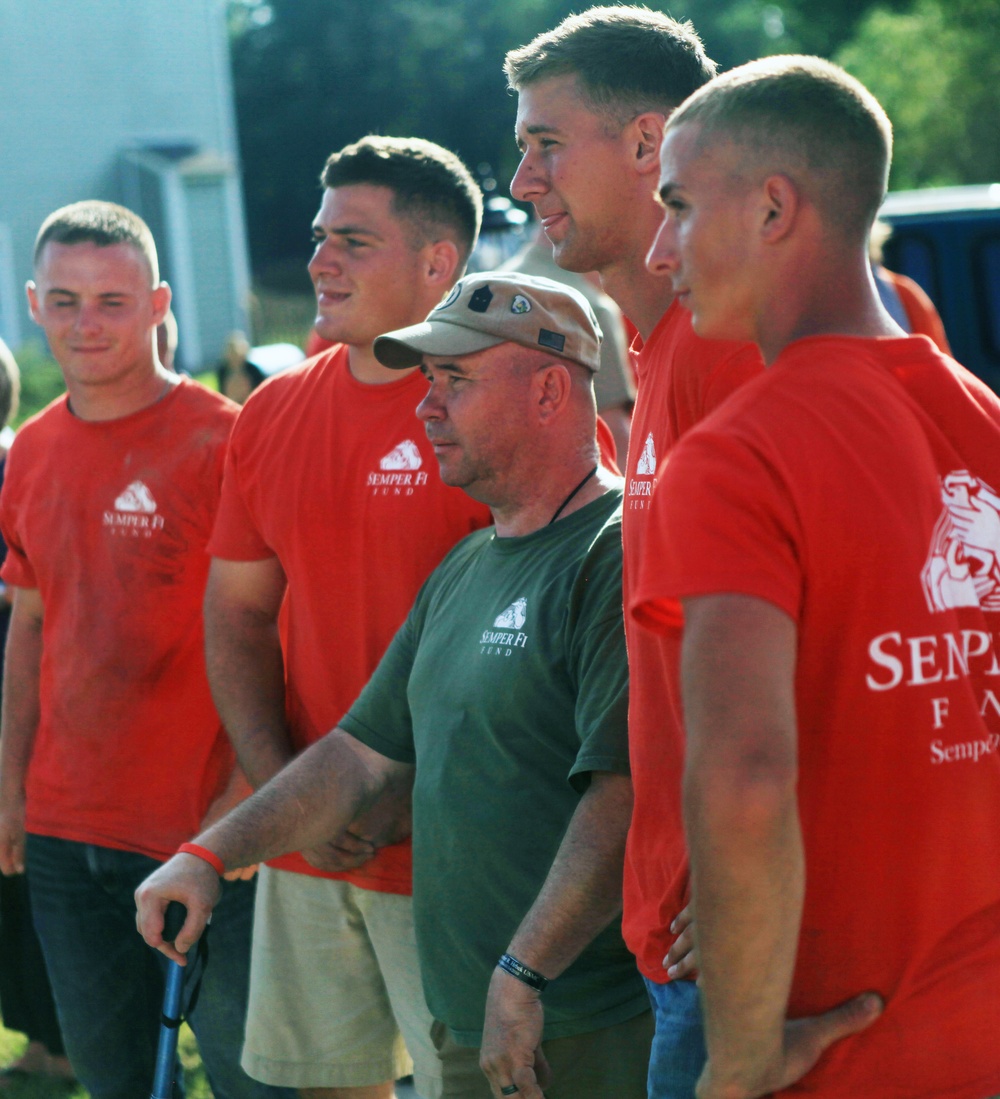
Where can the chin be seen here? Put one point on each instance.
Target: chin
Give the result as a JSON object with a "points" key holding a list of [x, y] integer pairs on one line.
{"points": [[717, 328], [570, 258]]}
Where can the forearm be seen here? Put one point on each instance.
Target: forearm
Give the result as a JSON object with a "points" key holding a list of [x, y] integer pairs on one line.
{"points": [[21, 706], [247, 678], [743, 832], [582, 893], [747, 871], [237, 788], [19, 723], [315, 797]]}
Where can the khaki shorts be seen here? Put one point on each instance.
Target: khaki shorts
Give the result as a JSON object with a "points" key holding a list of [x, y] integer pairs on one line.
{"points": [[611, 1063], [335, 993]]}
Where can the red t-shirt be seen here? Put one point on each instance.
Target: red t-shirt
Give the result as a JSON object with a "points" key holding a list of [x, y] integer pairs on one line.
{"points": [[109, 522], [923, 317], [681, 379], [337, 480], [854, 486]]}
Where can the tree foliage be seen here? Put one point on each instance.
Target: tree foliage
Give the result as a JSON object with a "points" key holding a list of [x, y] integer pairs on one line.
{"points": [[936, 70], [313, 75]]}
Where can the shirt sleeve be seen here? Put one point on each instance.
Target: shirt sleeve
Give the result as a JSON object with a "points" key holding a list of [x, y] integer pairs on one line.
{"points": [[380, 716], [599, 662], [235, 535], [16, 570], [721, 520]]}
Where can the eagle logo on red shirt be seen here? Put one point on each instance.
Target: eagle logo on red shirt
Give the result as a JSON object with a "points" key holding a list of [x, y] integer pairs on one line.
{"points": [[963, 566]]}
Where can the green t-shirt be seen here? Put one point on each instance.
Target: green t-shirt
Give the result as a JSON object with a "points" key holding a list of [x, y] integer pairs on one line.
{"points": [[506, 686]]}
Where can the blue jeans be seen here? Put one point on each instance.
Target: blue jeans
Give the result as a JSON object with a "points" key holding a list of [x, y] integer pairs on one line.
{"points": [[108, 984], [678, 1053]]}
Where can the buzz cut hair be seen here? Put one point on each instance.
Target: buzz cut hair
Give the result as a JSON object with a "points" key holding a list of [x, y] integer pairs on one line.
{"points": [[433, 191], [809, 119], [626, 59], [100, 223]]}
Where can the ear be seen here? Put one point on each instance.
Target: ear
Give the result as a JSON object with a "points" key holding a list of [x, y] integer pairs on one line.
{"points": [[161, 302], [645, 136], [33, 306], [551, 391], [441, 263], [779, 205]]}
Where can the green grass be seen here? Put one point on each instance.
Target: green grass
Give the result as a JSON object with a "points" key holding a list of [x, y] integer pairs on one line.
{"points": [[12, 1045]]}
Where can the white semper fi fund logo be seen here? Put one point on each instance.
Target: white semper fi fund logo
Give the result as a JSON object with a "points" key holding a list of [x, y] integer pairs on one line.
{"points": [[640, 487], [134, 514], [399, 472], [962, 569], [506, 635]]}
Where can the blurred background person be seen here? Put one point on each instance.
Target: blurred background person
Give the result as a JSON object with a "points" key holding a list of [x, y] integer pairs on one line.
{"points": [[905, 300], [25, 994]]}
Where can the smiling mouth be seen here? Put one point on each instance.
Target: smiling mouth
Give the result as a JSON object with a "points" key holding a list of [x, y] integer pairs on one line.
{"points": [[331, 297], [552, 220]]}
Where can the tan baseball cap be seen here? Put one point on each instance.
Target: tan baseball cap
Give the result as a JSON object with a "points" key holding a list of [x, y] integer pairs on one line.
{"points": [[495, 307]]}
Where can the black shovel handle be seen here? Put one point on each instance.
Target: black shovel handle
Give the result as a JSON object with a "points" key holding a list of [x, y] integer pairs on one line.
{"points": [[170, 1018]]}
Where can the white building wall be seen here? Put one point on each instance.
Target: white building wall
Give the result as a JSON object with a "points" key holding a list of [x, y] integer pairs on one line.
{"points": [[83, 80]]}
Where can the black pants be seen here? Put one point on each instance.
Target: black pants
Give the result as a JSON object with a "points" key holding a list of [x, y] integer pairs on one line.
{"points": [[25, 994]]}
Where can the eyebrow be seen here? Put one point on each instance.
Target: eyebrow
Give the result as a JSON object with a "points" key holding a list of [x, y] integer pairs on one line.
{"points": [[446, 368], [533, 131], [344, 231], [75, 293]]}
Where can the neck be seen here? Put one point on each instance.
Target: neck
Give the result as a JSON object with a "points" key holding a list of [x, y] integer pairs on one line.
{"points": [[640, 295], [367, 369], [97, 403], [839, 300], [522, 514]]}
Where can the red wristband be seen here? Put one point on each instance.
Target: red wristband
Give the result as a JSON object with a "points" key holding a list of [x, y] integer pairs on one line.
{"points": [[200, 852]]}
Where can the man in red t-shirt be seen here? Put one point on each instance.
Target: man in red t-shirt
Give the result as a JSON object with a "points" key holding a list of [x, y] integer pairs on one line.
{"points": [[112, 751], [332, 515], [593, 95], [829, 543]]}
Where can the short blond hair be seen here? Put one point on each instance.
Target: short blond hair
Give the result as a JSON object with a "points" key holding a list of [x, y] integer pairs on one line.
{"points": [[102, 223], [626, 59], [808, 118]]}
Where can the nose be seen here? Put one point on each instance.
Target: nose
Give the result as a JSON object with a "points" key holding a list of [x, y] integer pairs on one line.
{"points": [[87, 319], [662, 257], [430, 408], [325, 258], [528, 182]]}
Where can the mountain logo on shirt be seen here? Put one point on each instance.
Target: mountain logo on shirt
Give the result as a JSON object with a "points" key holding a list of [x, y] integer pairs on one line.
{"points": [[646, 465], [136, 497], [404, 456], [398, 474], [963, 565], [506, 634], [134, 513], [513, 618]]}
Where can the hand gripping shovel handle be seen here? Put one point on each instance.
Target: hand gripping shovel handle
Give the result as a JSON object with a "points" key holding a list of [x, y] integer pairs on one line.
{"points": [[170, 1018]]}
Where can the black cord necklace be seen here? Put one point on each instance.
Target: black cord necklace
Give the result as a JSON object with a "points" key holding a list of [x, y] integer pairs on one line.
{"points": [[562, 506]]}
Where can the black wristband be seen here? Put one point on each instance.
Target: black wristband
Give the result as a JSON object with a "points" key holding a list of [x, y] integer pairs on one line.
{"points": [[531, 977]]}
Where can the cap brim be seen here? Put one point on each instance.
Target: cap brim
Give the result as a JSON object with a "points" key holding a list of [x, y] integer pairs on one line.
{"points": [[407, 346]]}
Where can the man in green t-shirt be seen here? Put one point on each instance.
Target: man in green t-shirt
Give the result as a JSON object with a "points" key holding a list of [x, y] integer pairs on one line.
{"points": [[503, 701]]}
